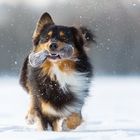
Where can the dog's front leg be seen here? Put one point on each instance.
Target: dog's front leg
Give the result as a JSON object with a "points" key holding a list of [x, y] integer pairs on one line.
{"points": [[31, 113], [34, 115]]}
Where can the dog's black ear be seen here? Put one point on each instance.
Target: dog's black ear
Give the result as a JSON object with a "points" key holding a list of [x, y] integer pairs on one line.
{"points": [[44, 20], [87, 35], [83, 36], [77, 36]]}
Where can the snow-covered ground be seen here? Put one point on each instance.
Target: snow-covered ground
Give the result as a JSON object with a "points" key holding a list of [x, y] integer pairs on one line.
{"points": [[111, 112]]}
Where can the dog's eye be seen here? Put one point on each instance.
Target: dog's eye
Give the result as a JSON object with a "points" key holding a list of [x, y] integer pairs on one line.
{"points": [[63, 38], [44, 39]]}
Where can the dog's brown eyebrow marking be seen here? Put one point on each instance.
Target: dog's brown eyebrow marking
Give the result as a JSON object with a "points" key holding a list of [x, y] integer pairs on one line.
{"points": [[62, 33], [50, 33]]}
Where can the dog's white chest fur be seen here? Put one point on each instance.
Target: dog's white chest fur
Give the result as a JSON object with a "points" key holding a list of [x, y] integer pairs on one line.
{"points": [[76, 81]]}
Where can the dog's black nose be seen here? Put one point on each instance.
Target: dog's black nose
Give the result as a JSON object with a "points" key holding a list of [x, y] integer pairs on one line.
{"points": [[53, 46]]}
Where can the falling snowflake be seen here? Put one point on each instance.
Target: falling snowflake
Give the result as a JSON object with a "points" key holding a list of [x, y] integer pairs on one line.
{"points": [[134, 4], [15, 62]]}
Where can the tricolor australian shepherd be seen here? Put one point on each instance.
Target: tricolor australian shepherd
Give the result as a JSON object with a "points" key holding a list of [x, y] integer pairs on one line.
{"points": [[57, 75]]}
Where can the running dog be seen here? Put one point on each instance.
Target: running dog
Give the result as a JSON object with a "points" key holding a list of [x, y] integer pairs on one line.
{"points": [[57, 74]]}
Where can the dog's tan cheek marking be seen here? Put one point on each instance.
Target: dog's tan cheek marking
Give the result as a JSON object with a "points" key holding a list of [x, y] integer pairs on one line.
{"points": [[42, 46], [73, 121]]}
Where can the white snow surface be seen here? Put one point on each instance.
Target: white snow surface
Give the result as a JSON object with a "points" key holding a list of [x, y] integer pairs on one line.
{"points": [[111, 112]]}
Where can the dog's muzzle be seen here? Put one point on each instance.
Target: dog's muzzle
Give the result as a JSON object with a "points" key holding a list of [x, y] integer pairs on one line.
{"points": [[36, 59]]}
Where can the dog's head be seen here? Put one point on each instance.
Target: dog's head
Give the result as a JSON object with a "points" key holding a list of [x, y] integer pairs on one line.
{"points": [[60, 42]]}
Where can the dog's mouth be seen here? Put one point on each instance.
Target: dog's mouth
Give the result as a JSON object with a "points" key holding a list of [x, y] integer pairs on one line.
{"points": [[54, 56], [64, 53], [36, 59]]}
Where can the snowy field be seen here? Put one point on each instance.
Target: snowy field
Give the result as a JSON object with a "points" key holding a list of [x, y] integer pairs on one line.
{"points": [[110, 113]]}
